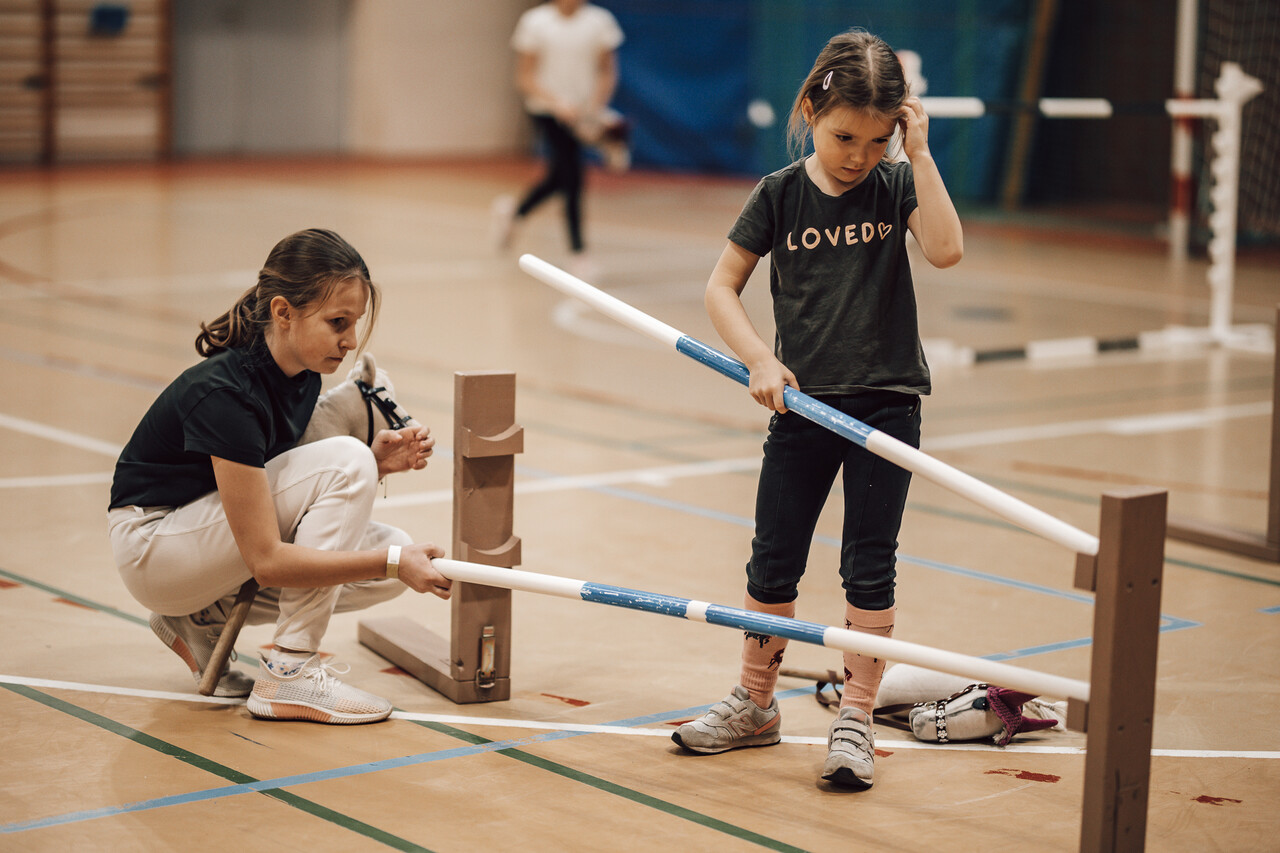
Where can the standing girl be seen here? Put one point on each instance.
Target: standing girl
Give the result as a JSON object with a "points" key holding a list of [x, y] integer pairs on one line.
{"points": [[211, 489], [834, 225]]}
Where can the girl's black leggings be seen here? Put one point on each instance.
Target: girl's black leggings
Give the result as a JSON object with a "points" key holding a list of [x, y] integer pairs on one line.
{"points": [[801, 460]]}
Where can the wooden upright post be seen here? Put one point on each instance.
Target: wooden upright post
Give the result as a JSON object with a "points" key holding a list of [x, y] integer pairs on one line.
{"points": [[475, 664], [486, 439], [1126, 578]]}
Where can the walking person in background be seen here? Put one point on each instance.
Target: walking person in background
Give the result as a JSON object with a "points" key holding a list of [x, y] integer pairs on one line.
{"points": [[566, 71], [834, 224]]}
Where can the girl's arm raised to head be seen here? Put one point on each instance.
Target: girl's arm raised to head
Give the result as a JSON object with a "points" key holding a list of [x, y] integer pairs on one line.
{"points": [[251, 514], [724, 305], [934, 222]]}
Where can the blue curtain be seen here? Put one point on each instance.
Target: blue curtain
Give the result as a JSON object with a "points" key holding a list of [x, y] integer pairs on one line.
{"points": [[690, 69]]}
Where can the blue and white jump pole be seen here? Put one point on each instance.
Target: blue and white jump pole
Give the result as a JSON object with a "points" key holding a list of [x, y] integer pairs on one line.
{"points": [[979, 669], [883, 445]]}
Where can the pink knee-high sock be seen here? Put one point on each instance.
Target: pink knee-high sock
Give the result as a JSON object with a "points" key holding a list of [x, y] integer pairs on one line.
{"points": [[762, 655], [862, 673]]}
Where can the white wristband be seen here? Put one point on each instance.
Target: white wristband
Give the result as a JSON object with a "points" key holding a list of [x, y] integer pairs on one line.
{"points": [[393, 561]]}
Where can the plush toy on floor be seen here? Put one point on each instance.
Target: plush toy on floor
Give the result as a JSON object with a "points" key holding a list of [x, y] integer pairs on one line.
{"points": [[942, 708], [349, 407], [946, 708]]}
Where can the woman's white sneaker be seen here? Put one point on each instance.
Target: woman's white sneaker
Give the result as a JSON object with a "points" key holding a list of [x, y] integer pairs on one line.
{"points": [[306, 690]]}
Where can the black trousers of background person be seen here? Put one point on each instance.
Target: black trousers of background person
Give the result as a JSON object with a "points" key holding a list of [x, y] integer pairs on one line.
{"points": [[801, 459], [564, 175]]}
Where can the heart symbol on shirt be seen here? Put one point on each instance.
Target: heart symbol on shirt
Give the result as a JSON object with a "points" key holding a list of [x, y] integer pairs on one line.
{"points": [[885, 228]]}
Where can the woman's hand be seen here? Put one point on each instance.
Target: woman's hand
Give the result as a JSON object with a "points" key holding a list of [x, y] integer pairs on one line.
{"points": [[402, 450], [419, 574]]}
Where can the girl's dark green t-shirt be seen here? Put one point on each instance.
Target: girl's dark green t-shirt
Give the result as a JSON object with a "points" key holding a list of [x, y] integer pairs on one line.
{"points": [[843, 301]]}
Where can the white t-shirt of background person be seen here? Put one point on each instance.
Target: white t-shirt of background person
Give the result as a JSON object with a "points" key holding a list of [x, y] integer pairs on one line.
{"points": [[567, 49]]}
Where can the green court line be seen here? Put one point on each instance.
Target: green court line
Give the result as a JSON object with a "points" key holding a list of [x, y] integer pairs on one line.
{"points": [[209, 766], [234, 776], [1229, 573], [618, 790], [70, 596], [544, 764], [238, 778]]}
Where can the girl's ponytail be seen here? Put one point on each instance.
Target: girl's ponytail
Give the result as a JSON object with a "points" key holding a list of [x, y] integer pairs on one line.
{"points": [[237, 327], [303, 268]]}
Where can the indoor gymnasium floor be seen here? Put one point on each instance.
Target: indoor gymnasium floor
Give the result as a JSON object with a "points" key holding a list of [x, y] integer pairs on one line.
{"points": [[638, 470]]}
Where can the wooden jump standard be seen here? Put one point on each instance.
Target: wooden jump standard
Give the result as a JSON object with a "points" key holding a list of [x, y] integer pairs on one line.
{"points": [[474, 665]]}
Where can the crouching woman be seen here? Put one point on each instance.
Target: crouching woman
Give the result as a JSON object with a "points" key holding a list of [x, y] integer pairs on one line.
{"points": [[212, 489]]}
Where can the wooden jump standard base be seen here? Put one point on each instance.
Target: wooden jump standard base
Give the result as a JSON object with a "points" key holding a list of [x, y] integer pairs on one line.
{"points": [[1267, 545], [474, 664]]}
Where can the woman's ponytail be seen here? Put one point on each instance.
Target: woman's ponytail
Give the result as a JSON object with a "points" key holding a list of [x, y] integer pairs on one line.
{"points": [[303, 268]]}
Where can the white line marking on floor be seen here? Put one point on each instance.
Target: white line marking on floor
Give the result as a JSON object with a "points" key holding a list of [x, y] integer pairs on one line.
{"points": [[646, 476], [1128, 426], [991, 796], [61, 436], [663, 475], [49, 684], [498, 722], [55, 480], [1137, 425]]}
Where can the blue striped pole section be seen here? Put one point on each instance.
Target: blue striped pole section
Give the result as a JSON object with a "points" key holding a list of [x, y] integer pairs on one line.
{"points": [[882, 444], [979, 669]]}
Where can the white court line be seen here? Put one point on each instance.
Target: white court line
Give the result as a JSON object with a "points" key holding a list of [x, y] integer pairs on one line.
{"points": [[116, 691], [1128, 426], [55, 480], [663, 475], [498, 722], [61, 436], [1137, 425]]}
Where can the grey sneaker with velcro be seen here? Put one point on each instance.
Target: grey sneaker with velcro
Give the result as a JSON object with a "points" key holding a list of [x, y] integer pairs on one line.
{"points": [[851, 750], [733, 722]]}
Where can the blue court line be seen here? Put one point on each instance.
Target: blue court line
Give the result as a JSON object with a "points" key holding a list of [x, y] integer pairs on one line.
{"points": [[274, 786], [475, 749], [333, 817], [263, 785], [1170, 623]]}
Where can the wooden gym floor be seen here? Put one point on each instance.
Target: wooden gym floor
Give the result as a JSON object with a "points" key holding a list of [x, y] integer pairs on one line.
{"points": [[638, 470]]}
